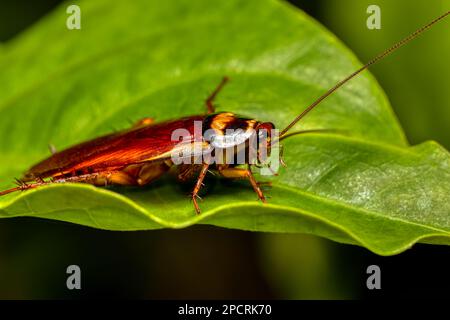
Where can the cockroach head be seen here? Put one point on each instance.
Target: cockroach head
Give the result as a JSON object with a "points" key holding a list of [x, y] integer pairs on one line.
{"points": [[266, 135]]}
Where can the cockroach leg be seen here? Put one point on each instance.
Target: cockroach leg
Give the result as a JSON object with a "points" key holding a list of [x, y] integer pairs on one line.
{"points": [[101, 178], [238, 173], [98, 179], [52, 148], [39, 179], [281, 156], [150, 172], [255, 185], [274, 173], [18, 182], [143, 122], [188, 171], [209, 102], [132, 175], [22, 186], [198, 186]]}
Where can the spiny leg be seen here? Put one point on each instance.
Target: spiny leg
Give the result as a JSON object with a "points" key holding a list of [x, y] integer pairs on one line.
{"points": [[238, 173], [209, 102], [104, 178], [98, 179], [256, 185], [22, 186], [198, 186]]}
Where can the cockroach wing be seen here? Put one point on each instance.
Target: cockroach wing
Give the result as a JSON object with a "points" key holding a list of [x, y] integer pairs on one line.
{"points": [[144, 144]]}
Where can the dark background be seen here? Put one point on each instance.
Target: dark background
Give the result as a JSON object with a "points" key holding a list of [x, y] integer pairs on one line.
{"points": [[209, 262]]}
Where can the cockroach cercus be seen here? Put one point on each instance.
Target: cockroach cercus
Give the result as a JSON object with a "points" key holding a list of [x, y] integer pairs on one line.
{"points": [[146, 151]]}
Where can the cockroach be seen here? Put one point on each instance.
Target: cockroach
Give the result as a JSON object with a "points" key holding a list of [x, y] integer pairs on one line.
{"points": [[142, 154]]}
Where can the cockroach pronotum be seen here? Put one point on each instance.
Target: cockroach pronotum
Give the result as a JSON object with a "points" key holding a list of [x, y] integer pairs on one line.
{"points": [[143, 153]]}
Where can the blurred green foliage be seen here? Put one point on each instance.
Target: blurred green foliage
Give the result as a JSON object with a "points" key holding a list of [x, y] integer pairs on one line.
{"points": [[415, 80]]}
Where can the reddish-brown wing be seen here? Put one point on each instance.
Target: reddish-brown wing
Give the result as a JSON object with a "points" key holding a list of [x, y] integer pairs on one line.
{"points": [[115, 150]]}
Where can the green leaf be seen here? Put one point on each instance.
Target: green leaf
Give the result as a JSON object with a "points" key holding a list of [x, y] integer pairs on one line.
{"points": [[162, 60]]}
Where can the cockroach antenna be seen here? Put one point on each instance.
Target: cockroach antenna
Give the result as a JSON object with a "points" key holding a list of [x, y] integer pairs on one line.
{"points": [[354, 74]]}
